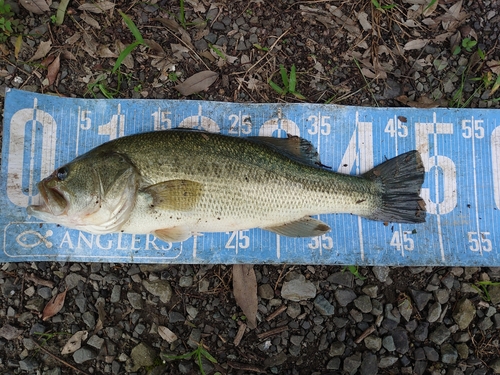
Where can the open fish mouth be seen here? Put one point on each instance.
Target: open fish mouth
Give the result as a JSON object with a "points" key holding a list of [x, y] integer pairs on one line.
{"points": [[53, 201]]}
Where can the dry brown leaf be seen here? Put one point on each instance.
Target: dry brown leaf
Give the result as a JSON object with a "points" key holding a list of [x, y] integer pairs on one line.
{"points": [[97, 7], [17, 46], [104, 51], [55, 304], [53, 70], [91, 21], [9, 332], [178, 50], [363, 20], [167, 334], [197, 82], [68, 55], [245, 291], [155, 46], [42, 50], [90, 45], [75, 342], [73, 38], [415, 44], [429, 9], [101, 314], [36, 6], [422, 102], [494, 65], [197, 6]]}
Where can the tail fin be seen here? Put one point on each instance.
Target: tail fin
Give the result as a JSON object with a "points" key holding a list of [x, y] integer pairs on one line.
{"points": [[400, 179]]}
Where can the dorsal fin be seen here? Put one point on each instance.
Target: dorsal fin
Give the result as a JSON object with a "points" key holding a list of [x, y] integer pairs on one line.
{"points": [[294, 147]]}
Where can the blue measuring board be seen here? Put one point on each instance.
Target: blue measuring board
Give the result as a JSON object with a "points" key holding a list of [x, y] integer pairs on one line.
{"points": [[460, 149]]}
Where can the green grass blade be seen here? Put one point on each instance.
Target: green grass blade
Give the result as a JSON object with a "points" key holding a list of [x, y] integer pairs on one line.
{"points": [[276, 88], [207, 355], [284, 77], [293, 79], [124, 54], [133, 29]]}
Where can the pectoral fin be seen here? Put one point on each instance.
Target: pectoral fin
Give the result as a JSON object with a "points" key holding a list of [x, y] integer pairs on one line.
{"points": [[176, 195], [305, 227], [175, 234]]}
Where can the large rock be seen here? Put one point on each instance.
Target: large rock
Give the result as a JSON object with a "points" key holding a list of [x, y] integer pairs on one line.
{"points": [[142, 356], [159, 288]]}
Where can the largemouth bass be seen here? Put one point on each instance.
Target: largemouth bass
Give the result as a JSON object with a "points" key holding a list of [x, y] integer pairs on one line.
{"points": [[177, 183]]}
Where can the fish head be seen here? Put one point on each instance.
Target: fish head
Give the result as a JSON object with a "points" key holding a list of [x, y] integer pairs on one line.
{"points": [[95, 192]]}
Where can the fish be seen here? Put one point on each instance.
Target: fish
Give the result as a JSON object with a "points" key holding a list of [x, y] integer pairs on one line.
{"points": [[178, 183]]}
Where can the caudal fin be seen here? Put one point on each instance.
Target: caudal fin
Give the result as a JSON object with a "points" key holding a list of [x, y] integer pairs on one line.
{"points": [[400, 179]]}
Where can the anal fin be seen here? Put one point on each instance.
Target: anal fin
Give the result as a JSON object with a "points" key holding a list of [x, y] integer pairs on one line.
{"points": [[174, 234], [305, 227]]}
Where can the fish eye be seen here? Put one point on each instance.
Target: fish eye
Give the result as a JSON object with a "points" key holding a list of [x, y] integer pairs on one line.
{"points": [[62, 173]]}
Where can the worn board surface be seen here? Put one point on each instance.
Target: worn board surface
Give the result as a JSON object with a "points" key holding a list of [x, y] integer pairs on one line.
{"points": [[460, 150]]}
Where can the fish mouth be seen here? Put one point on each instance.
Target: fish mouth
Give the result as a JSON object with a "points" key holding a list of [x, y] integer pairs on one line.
{"points": [[53, 200]]}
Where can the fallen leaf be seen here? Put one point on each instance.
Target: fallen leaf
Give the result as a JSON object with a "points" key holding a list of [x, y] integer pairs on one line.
{"points": [[36, 6], [101, 313], [91, 21], [415, 44], [97, 7], [197, 6], [42, 50], [9, 332], [167, 334], [104, 51], [75, 342], [52, 72], [73, 38], [363, 20], [429, 9], [178, 50], [197, 82], [245, 291], [55, 304], [18, 45], [128, 61]]}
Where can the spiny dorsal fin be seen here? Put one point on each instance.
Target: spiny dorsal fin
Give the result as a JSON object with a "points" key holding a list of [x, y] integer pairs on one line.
{"points": [[176, 195], [294, 147], [305, 227]]}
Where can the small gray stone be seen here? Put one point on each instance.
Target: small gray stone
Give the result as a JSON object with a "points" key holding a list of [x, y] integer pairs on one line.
{"points": [[296, 339], [28, 364], [496, 320], [194, 338], [323, 306], [363, 303], [185, 367], [494, 292], [485, 324], [36, 304], [369, 365], [373, 342], [298, 290], [381, 273], [336, 349], [45, 293], [192, 311], [449, 354], [422, 331], [463, 313], [175, 317], [495, 365], [419, 367], [293, 310], [344, 296], [203, 285], [387, 361], [333, 364], [352, 363], [89, 319], [275, 360], [388, 343], [420, 298], [201, 45], [370, 290], [159, 288], [434, 312], [116, 294], [440, 334], [294, 350], [135, 300], [265, 291], [142, 355], [406, 309], [96, 341], [72, 280], [341, 278], [442, 296], [431, 354], [463, 350], [400, 337], [53, 371], [185, 282], [83, 355], [218, 26]]}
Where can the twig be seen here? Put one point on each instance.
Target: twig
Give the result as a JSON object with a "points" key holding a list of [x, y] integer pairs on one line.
{"points": [[59, 359], [276, 312], [239, 335], [39, 281], [272, 332], [366, 333], [246, 367]]}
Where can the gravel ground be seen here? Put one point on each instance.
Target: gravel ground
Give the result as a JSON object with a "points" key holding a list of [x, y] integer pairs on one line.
{"points": [[311, 319]]}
